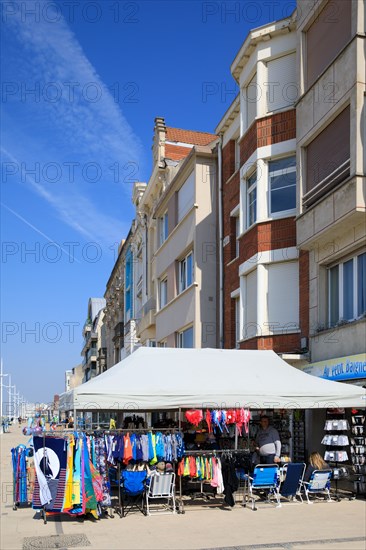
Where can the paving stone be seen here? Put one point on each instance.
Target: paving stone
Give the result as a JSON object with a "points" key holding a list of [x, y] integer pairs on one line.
{"points": [[55, 541]]}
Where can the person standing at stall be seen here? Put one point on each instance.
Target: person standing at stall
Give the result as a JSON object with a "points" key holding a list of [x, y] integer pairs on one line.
{"points": [[268, 442]]}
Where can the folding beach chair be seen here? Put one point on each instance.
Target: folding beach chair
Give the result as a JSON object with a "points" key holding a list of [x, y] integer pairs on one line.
{"points": [[319, 483], [290, 487], [161, 488], [132, 491], [265, 479]]}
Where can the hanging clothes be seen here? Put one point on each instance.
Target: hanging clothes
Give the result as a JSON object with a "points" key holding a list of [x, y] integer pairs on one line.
{"points": [[230, 480], [19, 463], [67, 504], [101, 466]]}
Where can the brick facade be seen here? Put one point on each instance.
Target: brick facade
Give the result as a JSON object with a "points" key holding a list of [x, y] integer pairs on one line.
{"points": [[261, 237], [267, 131]]}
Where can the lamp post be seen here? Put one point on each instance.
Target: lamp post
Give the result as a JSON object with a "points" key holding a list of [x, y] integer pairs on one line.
{"points": [[2, 375]]}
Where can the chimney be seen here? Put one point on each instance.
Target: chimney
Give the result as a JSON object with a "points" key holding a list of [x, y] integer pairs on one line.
{"points": [[159, 139]]}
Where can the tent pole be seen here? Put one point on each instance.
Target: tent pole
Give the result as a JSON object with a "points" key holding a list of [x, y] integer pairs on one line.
{"points": [[236, 438], [181, 507]]}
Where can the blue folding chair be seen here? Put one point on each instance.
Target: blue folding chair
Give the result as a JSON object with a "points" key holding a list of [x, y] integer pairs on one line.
{"points": [[290, 487], [133, 486], [265, 479], [319, 483]]}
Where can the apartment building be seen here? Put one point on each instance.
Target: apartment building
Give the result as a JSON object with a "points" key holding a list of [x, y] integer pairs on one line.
{"points": [[179, 269], [73, 377], [257, 162], [331, 225], [124, 291], [94, 339]]}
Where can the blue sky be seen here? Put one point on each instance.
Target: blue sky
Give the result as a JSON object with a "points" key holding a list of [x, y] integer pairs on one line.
{"points": [[82, 84]]}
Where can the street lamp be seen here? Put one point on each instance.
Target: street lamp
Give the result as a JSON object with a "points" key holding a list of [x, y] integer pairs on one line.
{"points": [[2, 375]]}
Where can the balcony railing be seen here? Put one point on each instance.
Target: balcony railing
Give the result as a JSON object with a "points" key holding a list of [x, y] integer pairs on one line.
{"points": [[336, 177], [150, 305]]}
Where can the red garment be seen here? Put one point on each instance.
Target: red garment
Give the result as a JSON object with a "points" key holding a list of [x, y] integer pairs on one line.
{"points": [[239, 419], [127, 455], [247, 417], [230, 416], [192, 466], [181, 467], [194, 416], [208, 421]]}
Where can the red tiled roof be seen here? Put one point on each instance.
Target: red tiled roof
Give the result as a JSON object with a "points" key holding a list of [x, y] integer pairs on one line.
{"points": [[176, 152], [189, 136]]}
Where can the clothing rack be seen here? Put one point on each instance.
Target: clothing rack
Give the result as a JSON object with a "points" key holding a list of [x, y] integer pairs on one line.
{"points": [[205, 452], [60, 434]]}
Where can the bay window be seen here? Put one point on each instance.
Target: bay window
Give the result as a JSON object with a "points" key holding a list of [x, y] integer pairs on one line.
{"points": [[252, 199], [282, 184]]}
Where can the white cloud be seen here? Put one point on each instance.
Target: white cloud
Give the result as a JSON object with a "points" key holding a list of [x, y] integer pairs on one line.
{"points": [[80, 130]]}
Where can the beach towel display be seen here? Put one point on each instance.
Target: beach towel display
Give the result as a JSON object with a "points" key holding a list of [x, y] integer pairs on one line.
{"points": [[19, 464]]}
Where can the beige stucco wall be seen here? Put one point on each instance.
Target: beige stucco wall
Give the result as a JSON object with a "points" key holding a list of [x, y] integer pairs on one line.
{"points": [[339, 341], [336, 225], [197, 305], [206, 254], [177, 243], [177, 314]]}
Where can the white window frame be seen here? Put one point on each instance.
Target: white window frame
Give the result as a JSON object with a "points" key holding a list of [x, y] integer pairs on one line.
{"points": [[183, 279], [163, 228], [163, 281], [162, 344], [249, 190], [280, 213], [340, 290]]}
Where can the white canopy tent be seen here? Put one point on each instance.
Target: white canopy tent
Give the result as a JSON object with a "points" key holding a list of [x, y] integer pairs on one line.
{"points": [[171, 378]]}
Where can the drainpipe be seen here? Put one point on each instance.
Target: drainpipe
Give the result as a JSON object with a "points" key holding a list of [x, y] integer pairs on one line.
{"points": [[221, 264]]}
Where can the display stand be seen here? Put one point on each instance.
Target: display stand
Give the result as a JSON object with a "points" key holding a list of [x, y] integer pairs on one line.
{"points": [[298, 436], [358, 451], [336, 442]]}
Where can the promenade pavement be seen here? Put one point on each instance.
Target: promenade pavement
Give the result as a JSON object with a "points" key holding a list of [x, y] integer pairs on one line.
{"points": [[322, 526]]}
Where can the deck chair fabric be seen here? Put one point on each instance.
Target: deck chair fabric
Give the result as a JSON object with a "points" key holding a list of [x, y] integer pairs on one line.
{"points": [[161, 488], [319, 483], [132, 491], [294, 475], [265, 478]]}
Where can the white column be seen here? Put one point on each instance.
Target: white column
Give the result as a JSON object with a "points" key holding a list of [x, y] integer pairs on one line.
{"points": [[243, 317], [262, 190], [261, 88], [262, 289], [243, 111]]}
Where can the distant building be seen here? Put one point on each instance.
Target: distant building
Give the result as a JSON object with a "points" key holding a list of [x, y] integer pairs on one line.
{"points": [[94, 346], [68, 377]]}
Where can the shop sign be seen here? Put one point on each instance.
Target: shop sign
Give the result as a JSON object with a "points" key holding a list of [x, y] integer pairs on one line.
{"points": [[342, 368]]}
